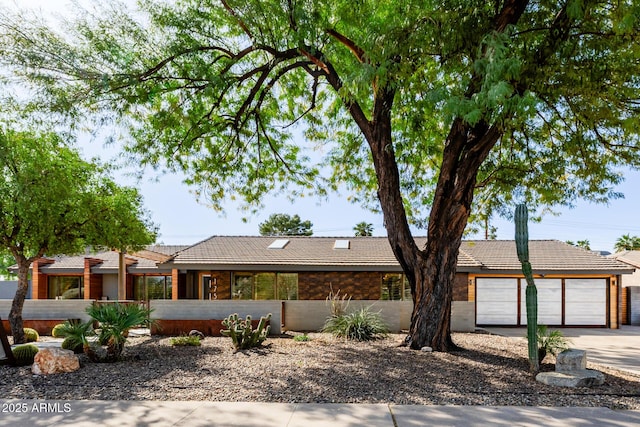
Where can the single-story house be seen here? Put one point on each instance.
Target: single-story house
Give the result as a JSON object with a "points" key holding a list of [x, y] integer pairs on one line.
{"points": [[630, 287], [576, 287]]}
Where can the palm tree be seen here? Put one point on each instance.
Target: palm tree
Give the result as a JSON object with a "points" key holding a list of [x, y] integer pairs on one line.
{"points": [[627, 242], [363, 229]]}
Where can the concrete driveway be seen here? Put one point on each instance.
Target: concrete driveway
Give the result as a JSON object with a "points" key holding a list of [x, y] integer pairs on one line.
{"points": [[615, 348]]}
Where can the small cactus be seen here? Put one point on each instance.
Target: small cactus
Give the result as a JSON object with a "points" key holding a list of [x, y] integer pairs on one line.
{"points": [[242, 333], [56, 332], [31, 335], [24, 354]]}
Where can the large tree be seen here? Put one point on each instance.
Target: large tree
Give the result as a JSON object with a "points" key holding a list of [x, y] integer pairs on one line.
{"points": [[54, 202], [419, 105], [285, 225]]}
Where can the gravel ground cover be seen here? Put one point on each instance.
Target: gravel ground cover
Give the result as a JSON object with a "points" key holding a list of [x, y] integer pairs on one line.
{"points": [[488, 370]]}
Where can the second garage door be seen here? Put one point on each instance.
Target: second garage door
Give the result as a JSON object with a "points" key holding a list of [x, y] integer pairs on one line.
{"points": [[585, 302]]}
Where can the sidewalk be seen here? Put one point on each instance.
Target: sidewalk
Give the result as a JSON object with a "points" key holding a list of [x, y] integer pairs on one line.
{"points": [[242, 414]]}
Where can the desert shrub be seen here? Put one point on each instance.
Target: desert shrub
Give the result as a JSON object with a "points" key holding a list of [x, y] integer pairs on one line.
{"points": [[361, 325], [182, 341], [115, 320], [24, 354], [338, 304], [302, 338], [241, 332], [75, 334], [31, 335], [550, 342]]}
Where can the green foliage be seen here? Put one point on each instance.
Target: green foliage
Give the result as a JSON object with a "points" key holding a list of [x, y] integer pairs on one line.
{"points": [[75, 334], [361, 325], [531, 293], [550, 342], [241, 332], [302, 338], [627, 242], [24, 354], [31, 335], [185, 340], [55, 202], [363, 229], [115, 320], [285, 225]]}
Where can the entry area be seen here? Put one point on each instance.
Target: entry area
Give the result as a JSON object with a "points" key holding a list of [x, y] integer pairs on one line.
{"points": [[561, 301]]}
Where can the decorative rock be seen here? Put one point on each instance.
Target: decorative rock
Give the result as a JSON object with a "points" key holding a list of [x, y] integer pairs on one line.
{"points": [[196, 333], [54, 360], [571, 360], [571, 371], [426, 349], [581, 378]]}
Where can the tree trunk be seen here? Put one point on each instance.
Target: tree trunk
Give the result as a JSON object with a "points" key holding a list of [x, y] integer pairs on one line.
{"points": [[15, 315]]}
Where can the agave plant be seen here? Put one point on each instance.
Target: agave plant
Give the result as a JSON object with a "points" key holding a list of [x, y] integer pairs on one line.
{"points": [[114, 320]]}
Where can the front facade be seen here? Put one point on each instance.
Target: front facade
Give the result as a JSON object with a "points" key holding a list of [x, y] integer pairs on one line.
{"points": [[575, 287]]}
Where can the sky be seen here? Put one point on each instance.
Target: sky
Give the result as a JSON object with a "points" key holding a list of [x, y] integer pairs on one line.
{"points": [[182, 220]]}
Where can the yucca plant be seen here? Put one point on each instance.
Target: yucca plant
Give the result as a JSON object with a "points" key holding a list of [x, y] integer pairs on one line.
{"points": [[360, 325], [115, 320]]}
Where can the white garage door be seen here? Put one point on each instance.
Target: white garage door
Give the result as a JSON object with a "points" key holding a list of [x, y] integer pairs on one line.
{"points": [[585, 302], [549, 301], [496, 301]]}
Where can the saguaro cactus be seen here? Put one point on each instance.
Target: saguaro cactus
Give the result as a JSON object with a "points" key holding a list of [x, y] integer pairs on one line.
{"points": [[522, 247]]}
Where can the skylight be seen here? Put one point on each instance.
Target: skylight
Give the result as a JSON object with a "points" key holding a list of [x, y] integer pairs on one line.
{"points": [[279, 244], [341, 244]]}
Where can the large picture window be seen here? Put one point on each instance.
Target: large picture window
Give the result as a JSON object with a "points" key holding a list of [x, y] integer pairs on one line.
{"points": [[65, 287], [265, 286], [151, 287], [395, 287]]}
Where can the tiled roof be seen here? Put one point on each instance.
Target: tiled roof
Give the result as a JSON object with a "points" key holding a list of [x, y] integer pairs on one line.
{"points": [[476, 256], [628, 257], [366, 253], [544, 256], [317, 251], [109, 263]]}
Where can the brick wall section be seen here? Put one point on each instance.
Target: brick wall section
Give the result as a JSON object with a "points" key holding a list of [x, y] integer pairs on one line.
{"points": [[92, 282], [357, 285], [39, 284], [624, 306], [461, 287]]}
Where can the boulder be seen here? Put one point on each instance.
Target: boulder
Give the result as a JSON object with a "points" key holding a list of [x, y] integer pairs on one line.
{"points": [[580, 378], [571, 360], [571, 371], [54, 360]]}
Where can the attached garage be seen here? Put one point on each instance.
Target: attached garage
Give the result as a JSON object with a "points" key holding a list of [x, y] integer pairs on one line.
{"points": [[561, 301]]}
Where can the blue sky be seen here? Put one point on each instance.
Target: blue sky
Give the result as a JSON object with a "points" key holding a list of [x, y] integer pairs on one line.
{"points": [[183, 221]]}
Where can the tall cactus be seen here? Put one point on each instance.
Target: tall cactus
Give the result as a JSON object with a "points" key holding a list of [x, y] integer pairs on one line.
{"points": [[522, 247]]}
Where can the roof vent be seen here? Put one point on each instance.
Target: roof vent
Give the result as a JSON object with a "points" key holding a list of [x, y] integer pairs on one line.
{"points": [[341, 244], [279, 244]]}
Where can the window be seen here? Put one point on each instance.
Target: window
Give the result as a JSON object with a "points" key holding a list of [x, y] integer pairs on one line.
{"points": [[151, 287], [395, 287], [265, 286], [65, 287]]}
